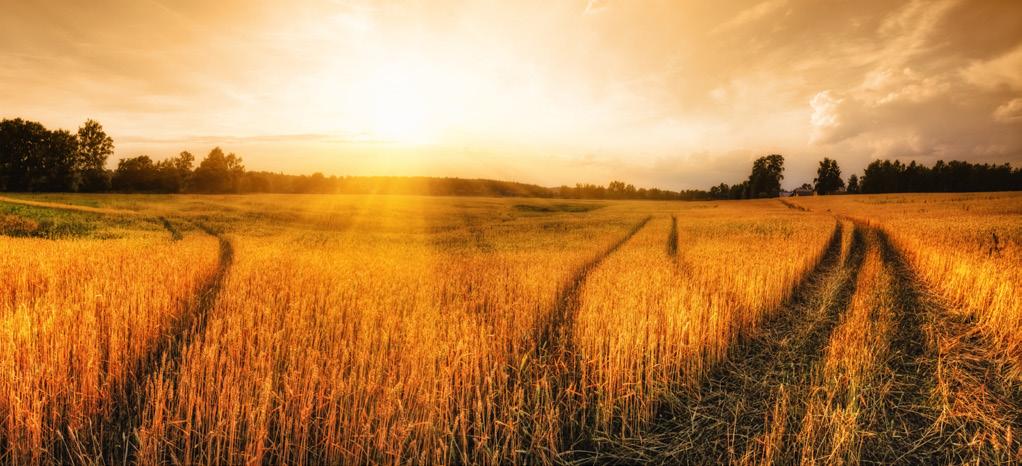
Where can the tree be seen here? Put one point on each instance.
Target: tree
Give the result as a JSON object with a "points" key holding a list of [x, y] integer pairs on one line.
{"points": [[828, 177], [739, 190], [721, 191], [174, 174], [767, 173], [25, 148], [621, 190], [135, 174], [58, 166], [218, 173], [94, 147], [853, 184]]}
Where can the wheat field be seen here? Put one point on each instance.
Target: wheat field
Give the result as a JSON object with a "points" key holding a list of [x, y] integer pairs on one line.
{"points": [[317, 329]]}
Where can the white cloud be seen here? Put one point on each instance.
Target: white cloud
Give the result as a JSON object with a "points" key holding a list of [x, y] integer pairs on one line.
{"points": [[824, 116], [1004, 71], [751, 15], [1009, 112]]}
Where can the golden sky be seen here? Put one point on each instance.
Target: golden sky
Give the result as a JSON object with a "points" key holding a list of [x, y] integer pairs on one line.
{"points": [[677, 94]]}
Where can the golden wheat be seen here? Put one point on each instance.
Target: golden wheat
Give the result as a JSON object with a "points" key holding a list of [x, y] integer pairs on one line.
{"points": [[404, 329], [76, 318]]}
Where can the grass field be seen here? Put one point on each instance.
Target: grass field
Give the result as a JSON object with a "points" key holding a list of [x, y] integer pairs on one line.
{"points": [[290, 329]]}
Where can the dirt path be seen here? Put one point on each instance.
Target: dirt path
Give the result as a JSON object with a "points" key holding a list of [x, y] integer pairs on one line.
{"points": [[751, 402]]}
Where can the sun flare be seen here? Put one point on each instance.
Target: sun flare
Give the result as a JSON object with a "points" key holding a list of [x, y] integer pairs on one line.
{"points": [[402, 100]]}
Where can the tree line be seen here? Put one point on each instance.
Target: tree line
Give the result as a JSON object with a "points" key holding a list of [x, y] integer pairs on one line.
{"points": [[885, 176], [764, 181], [880, 176], [34, 158]]}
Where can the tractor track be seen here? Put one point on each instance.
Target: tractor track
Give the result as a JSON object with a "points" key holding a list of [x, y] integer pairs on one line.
{"points": [[112, 441], [549, 375], [115, 441], [558, 360], [558, 327], [672, 238], [175, 234], [725, 418], [948, 401]]}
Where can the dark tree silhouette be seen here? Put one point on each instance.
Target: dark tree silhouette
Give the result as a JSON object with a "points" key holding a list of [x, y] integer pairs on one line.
{"points": [[885, 176], [135, 174], [828, 177], [174, 174], [767, 173], [33, 158], [218, 173], [853, 184], [58, 167], [22, 146], [94, 147]]}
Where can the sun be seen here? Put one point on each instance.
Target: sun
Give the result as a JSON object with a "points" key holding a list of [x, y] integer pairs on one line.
{"points": [[402, 107]]}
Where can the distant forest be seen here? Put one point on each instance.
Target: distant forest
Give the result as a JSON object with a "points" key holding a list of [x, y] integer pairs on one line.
{"points": [[33, 159]]}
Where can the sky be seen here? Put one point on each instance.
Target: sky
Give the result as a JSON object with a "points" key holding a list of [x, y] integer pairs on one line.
{"points": [[674, 94]]}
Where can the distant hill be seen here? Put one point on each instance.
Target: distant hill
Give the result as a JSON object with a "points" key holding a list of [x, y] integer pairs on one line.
{"points": [[447, 186]]}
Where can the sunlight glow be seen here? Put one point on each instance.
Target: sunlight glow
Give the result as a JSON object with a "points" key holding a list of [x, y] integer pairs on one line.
{"points": [[405, 102]]}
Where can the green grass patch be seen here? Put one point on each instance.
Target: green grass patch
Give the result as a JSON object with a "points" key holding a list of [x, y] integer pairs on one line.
{"points": [[35, 222]]}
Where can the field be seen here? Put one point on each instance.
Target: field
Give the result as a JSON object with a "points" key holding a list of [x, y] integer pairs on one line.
{"points": [[291, 329]]}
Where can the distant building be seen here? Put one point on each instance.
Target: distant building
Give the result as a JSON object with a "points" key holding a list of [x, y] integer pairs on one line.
{"points": [[802, 192], [784, 193]]}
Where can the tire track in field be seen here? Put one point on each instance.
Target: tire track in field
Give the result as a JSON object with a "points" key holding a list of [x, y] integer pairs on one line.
{"points": [[948, 401], [175, 234], [482, 243], [672, 238], [552, 379], [755, 393], [118, 426], [792, 205], [558, 327], [113, 443]]}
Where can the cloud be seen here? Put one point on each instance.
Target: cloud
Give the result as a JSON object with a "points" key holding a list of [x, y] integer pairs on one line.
{"points": [[680, 94], [921, 96], [1002, 72], [596, 6], [1009, 112], [750, 15], [825, 116], [254, 139]]}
